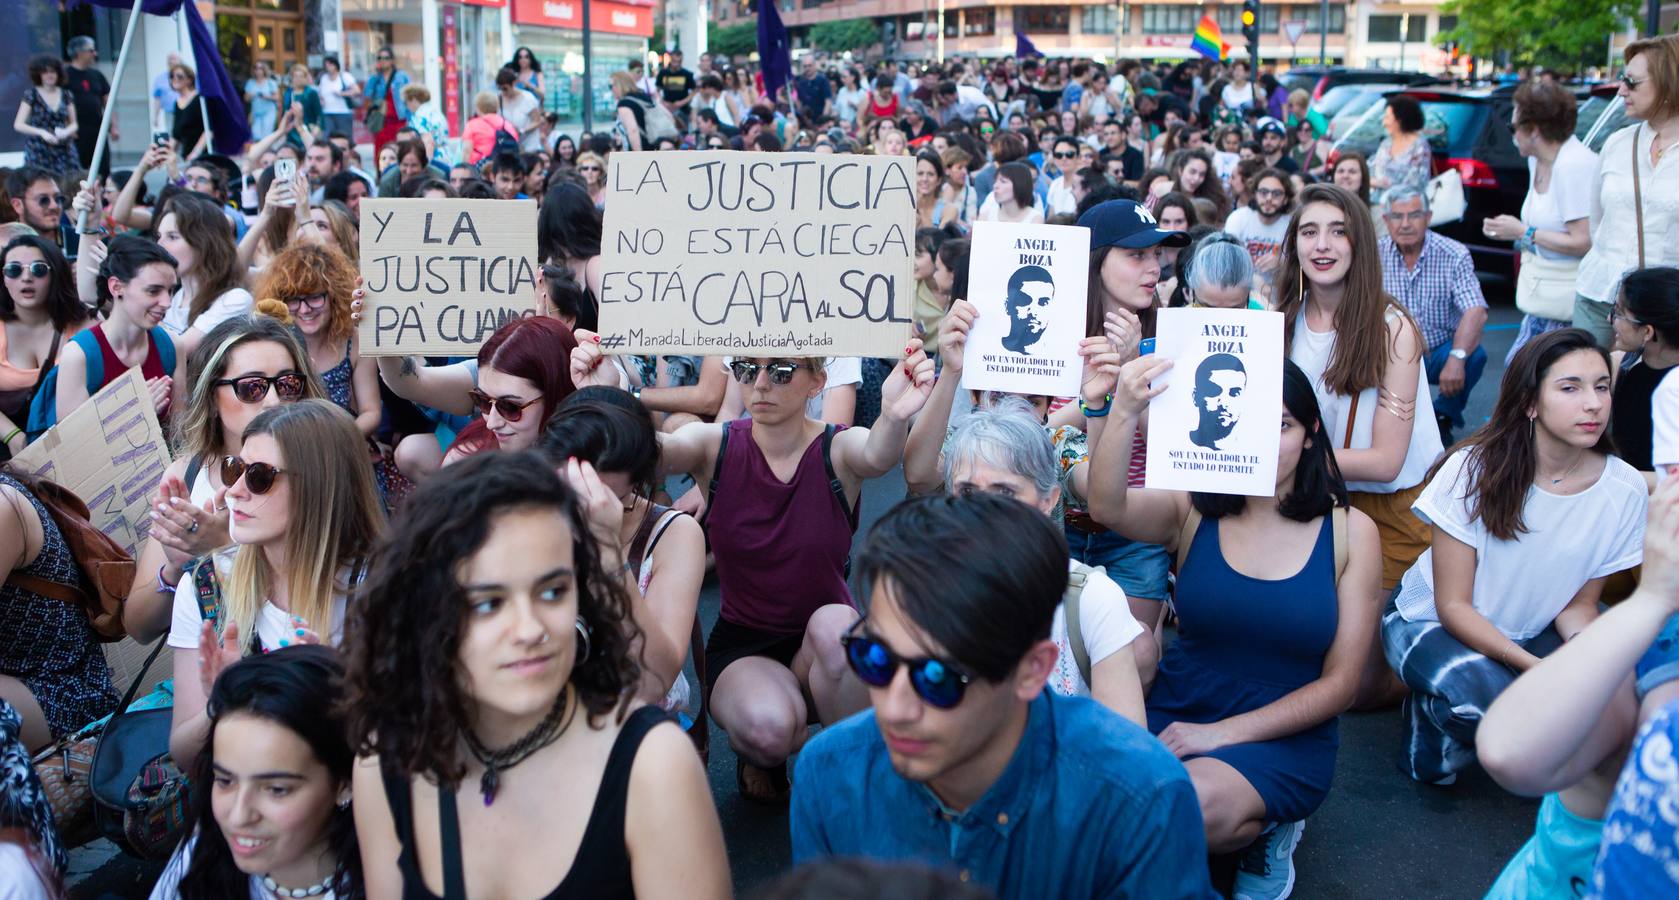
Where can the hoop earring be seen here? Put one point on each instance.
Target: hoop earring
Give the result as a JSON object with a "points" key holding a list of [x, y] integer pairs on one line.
{"points": [[582, 635], [1300, 275]]}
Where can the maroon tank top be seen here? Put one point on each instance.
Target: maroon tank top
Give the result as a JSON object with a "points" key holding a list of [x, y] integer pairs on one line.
{"points": [[115, 367], [781, 547]]}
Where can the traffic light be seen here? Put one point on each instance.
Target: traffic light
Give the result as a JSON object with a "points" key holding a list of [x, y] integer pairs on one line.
{"points": [[1250, 31]]}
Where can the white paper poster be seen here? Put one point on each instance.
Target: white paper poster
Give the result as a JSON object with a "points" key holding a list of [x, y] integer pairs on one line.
{"points": [[1029, 283], [1216, 427]]}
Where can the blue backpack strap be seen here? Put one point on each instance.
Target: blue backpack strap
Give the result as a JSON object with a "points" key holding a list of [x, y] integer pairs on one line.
{"points": [[203, 573], [95, 360], [165, 349]]}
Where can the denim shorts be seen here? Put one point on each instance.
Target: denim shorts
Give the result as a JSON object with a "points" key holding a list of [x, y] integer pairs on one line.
{"points": [[1140, 569], [1660, 664]]}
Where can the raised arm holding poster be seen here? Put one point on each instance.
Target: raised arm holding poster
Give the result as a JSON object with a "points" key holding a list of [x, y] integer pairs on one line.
{"points": [[110, 452], [1216, 426], [1029, 284], [442, 275], [750, 254]]}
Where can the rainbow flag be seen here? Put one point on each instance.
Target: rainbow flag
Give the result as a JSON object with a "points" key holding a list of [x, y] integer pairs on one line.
{"points": [[1208, 40]]}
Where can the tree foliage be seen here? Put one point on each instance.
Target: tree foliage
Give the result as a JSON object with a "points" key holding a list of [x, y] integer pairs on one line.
{"points": [[733, 40], [843, 35], [1559, 33]]}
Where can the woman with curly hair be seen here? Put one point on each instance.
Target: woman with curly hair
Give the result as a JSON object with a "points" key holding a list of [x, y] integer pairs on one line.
{"points": [[244, 366], [271, 813], [520, 699]]}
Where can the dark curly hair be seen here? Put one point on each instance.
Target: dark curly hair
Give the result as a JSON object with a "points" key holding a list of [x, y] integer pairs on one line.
{"points": [[403, 699]]}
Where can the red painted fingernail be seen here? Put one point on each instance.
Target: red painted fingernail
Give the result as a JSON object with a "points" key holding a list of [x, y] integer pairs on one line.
{"points": [[597, 338]]}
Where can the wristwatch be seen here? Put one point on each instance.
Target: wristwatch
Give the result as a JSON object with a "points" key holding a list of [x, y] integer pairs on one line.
{"points": [[1459, 353]]}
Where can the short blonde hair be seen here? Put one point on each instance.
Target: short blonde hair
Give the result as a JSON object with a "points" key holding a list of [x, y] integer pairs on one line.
{"points": [[622, 82], [416, 93], [484, 102], [1663, 61]]}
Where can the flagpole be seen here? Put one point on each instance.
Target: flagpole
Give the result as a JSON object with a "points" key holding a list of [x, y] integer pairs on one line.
{"points": [[110, 107]]}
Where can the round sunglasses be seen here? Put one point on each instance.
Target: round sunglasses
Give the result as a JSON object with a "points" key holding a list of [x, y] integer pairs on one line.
{"points": [[253, 388], [37, 269], [936, 681], [259, 477], [511, 410]]}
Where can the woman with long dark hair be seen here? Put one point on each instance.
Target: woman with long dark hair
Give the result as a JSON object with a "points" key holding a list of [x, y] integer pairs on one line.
{"points": [[1646, 327], [1276, 601], [502, 755], [1529, 515], [568, 233], [39, 312], [196, 232], [270, 810]]}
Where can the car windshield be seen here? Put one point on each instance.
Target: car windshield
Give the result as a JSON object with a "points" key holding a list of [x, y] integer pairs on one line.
{"points": [[1612, 120], [1341, 96], [1443, 122]]}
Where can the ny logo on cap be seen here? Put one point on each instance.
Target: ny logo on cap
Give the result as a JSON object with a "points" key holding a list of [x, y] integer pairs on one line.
{"points": [[1144, 215]]}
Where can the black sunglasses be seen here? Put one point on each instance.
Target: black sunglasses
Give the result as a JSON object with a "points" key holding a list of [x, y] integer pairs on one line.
{"points": [[48, 201], [511, 410], [940, 683], [747, 372], [37, 268], [259, 477], [1060, 155], [252, 388]]}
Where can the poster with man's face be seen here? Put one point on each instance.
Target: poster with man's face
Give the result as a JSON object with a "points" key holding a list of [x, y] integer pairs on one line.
{"points": [[1029, 284], [1216, 427]]}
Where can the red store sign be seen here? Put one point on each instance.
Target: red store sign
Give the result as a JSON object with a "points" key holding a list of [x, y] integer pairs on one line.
{"points": [[610, 17]]}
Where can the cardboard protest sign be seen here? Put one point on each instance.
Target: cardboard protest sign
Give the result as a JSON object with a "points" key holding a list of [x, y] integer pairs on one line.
{"points": [[1029, 283], [442, 275], [752, 254], [111, 453], [1215, 428]]}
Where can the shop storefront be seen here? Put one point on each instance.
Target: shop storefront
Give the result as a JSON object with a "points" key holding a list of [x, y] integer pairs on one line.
{"points": [[552, 29], [454, 47], [253, 31]]}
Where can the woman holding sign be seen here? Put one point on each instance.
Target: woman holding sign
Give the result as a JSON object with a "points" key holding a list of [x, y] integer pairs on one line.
{"points": [[1530, 515], [1276, 601], [784, 489]]}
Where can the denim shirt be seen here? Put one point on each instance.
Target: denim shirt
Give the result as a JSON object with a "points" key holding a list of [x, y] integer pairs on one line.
{"points": [[374, 90], [1089, 806]]}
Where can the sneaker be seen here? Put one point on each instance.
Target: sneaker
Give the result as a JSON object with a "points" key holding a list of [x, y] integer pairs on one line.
{"points": [[1445, 424], [1266, 869]]}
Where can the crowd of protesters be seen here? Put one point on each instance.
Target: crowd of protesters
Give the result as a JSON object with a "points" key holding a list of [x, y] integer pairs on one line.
{"points": [[432, 620]]}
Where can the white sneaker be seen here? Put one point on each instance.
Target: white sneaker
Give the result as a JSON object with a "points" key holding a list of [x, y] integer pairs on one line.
{"points": [[1266, 869]]}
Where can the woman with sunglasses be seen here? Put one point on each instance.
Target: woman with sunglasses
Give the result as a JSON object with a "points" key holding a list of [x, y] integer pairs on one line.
{"points": [[136, 279], [522, 376], [39, 313], [244, 367], [1276, 600], [783, 480], [593, 169], [303, 516], [505, 756], [270, 813]]}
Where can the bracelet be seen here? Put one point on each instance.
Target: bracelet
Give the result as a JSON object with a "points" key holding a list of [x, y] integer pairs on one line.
{"points": [[164, 587], [8, 438], [1107, 407]]}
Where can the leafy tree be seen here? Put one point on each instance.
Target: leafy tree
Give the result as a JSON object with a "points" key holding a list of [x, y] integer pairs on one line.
{"points": [[843, 35], [733, 40], [1558, 33]]}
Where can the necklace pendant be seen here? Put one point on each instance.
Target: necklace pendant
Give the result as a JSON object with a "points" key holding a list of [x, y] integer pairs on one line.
{"points": [[489, 784]]}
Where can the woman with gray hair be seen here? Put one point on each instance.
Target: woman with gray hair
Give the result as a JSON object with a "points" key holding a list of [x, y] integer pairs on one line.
{"points": [[1003, 447], [1215, 271]]}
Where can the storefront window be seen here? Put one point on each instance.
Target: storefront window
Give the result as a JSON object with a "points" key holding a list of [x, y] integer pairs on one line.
{"points": [[561, 54]]}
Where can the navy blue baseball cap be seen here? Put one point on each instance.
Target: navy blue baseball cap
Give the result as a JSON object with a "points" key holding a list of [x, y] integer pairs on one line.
{"points": [[1125, 223]]}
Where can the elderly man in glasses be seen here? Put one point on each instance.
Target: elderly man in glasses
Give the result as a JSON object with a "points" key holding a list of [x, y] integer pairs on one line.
{"points": [[38, 201], [965, 761]]}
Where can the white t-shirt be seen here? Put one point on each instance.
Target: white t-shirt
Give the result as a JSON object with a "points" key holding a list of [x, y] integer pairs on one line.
{"points": [[236, 302], [1061, 199], [1261, 239], [273, 623], [1521, 584], [1107, 625], [332, 92], [1664, 425], [517, 110], [990, 211], [18, 878], [1233, 97], [1570, 196], [168, 886]]}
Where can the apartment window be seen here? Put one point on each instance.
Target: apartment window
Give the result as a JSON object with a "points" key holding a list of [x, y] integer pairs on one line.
{"points": [[1386, 29], [1310, 14], [979, 22], [1098, 19], [1171, 19], [1447, 23], [1053, 19], [918, 29]]}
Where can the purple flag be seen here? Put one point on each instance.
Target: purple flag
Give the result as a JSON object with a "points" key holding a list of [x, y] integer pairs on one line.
{"points": [[229, 131], [775, 58], [1023, 47]]}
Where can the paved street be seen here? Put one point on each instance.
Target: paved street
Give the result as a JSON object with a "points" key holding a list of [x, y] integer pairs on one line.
{"points": [[1364, 842]]}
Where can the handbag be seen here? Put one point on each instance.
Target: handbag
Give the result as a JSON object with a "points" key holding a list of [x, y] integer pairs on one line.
{"points": [[1445, 198], [1545, 287], [139, 796], [375, 118]]}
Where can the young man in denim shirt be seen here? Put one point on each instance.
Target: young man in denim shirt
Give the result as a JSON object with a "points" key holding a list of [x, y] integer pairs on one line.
{"points": [[966, 762]]}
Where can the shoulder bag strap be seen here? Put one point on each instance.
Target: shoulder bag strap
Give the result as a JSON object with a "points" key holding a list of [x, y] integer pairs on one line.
{"points": [[1186, 535], [193, 465], [1352, 419], [834, 483], [1638, 195], [717, 470], [52, 360], [1077, 577]]}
